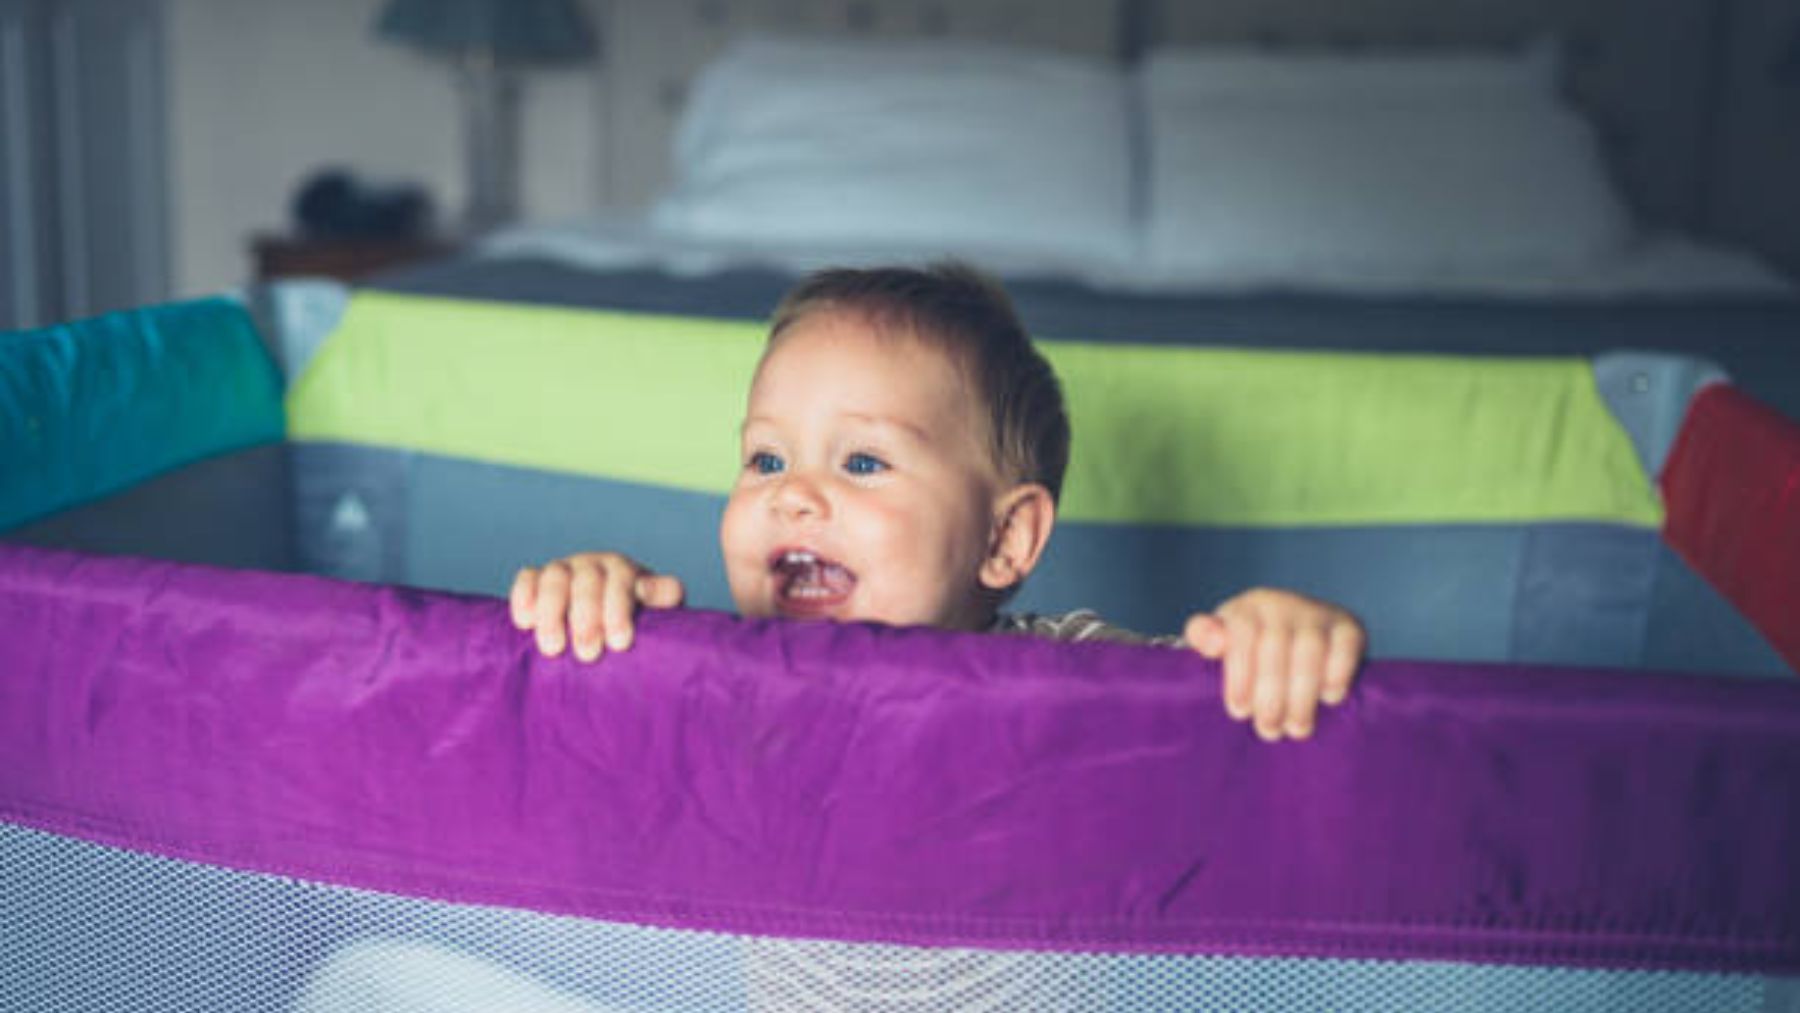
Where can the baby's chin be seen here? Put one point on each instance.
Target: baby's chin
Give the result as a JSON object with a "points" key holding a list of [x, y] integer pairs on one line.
{"points": [[766, 602], [772, 605], [854, 612], [775, 607]]}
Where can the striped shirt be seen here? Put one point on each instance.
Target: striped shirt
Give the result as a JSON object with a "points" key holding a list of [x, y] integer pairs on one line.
{"points": [[1081, 624]]}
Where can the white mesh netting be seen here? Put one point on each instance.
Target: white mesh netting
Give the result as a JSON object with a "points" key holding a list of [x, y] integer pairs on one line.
{"points": [[91, 928]]}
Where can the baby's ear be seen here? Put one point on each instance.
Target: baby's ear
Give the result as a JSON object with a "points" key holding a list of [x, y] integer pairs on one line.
{"points": [[1023, 517]]}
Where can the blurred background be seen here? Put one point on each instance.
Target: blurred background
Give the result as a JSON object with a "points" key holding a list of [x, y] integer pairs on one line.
{"points": [[156, 148]]}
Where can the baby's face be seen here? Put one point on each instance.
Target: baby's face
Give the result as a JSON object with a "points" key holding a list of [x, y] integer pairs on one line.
{"points": [[866, 489]]}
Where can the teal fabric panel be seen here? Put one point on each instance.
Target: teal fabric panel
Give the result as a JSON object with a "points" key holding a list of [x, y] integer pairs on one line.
{"points": [[92, 407]]}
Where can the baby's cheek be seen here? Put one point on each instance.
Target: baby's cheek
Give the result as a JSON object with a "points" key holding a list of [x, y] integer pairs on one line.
{"points": [[735, 540], [737, 528], [740, 591], [911, 588]]}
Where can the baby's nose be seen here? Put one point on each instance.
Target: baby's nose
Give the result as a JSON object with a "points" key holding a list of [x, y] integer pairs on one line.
{"points": [[798, 496]]}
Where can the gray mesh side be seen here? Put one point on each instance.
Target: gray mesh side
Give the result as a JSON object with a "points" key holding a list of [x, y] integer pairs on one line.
{"points": [[95, 928]]}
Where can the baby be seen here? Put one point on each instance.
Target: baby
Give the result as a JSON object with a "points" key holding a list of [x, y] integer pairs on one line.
{"points": [[903, 451]]}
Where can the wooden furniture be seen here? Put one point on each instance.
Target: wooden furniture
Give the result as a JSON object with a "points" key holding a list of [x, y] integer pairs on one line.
{"points": [[346, 259]]}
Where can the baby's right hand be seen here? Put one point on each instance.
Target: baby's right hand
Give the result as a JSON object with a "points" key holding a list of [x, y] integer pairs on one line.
{"points": [[592, 597]]}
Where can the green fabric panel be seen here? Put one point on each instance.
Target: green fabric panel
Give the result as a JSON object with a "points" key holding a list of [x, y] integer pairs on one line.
{"points": [[641, 398], [1220, 436], [1164, 434]]}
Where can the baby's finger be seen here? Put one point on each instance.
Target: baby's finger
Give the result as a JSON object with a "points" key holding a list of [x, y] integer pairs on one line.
{"points": [[1273, 653], [585, 621], [618, 602], [1304, 679], [552, 608], [660, 591], [523, 598], [1241, 633], [1205, 633], [1347, 643]]}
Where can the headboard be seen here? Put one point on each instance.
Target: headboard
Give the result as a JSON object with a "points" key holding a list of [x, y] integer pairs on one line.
{"points": [[1644, 71]]}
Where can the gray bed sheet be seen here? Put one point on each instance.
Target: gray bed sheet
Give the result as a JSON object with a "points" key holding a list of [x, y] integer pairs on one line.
{"points": [[1755, 340]]}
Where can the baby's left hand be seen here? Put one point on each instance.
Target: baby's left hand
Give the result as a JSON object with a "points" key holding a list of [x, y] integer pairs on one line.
{"points": [[1283, 654]]}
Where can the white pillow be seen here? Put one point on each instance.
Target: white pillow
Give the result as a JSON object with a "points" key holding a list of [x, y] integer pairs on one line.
{"points": [[1475, 173], [949, 148]]}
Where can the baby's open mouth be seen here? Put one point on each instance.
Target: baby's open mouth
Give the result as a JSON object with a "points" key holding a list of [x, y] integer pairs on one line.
{"points": [[808, 584]]}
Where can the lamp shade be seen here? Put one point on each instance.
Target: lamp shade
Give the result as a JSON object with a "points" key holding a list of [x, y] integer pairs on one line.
{"points": [[510, 31]]}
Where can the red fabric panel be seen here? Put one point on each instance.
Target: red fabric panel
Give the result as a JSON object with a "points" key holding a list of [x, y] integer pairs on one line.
{"points": [[1732, 489]]}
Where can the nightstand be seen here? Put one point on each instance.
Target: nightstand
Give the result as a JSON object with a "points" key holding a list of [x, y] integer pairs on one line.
{"points": [[346, 259]]}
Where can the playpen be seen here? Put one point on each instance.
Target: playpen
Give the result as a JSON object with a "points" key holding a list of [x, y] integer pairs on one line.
{"points": [[265, 742]]}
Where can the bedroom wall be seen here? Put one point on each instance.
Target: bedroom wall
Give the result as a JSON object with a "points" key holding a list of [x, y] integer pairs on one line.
{"points": [[263, 92], [83, 191], [1755, 196]]}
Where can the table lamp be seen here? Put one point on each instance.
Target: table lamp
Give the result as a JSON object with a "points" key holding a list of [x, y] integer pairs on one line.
{"points": [[488, 42]]}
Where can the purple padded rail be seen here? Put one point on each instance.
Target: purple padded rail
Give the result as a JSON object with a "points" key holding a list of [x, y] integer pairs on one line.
{"points": [[864, 783]]}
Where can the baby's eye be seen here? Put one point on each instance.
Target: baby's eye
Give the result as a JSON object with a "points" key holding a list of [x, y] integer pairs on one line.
{"points": [[864, 464], [764, 463]]}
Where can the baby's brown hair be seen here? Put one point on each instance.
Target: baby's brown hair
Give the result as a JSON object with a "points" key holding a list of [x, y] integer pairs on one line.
{"points": [[966, 314]]}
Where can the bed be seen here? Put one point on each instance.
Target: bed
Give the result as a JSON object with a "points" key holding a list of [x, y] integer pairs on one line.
{"points": [[1368, 198], [1494, 179]]}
